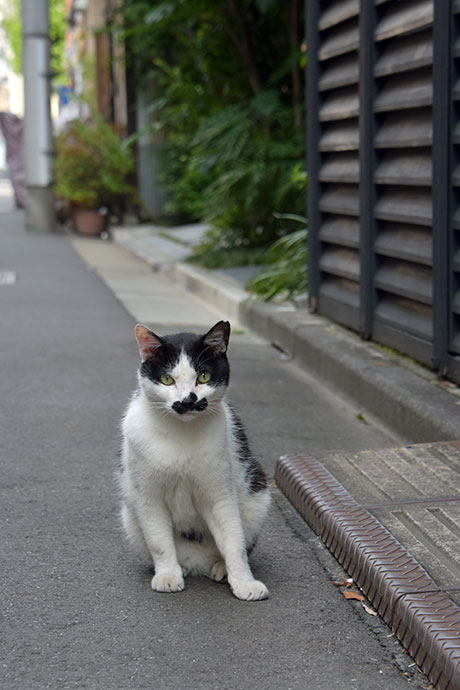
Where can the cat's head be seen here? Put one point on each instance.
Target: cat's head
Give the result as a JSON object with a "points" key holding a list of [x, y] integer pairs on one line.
{"points": [[184, 374]]}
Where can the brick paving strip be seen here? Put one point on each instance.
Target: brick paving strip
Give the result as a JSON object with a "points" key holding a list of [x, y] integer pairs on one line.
{"points": [[419, 610]]}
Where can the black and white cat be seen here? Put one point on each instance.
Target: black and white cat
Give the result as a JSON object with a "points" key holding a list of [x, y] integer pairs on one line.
{"points": [[194, 498]]}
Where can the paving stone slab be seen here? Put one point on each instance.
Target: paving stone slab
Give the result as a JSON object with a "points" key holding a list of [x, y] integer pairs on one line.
{"points": [[414, 491]]}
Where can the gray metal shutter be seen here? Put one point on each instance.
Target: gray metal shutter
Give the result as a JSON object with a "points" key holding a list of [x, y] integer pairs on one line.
{"points": [[383, 155], [370, 95], [334, 194], [402, 175], [452, 361]]}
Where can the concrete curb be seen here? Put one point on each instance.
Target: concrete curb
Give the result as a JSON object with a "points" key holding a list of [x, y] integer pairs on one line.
{"points": [[409, 401], [220, 291], [414, 407]]}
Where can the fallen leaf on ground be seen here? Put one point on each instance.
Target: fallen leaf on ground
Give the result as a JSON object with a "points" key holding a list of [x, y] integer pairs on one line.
{"points": [[344, 582], [369, 610], [353, 595]]}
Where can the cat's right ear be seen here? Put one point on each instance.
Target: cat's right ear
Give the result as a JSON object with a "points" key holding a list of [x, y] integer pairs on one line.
{"points": [[217, 337], [149, 343]]}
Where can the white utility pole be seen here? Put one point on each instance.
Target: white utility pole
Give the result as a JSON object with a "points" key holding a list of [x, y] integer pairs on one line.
{"points": [[38, 138]]}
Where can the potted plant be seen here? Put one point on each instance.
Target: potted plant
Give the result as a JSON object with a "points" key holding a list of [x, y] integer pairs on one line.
{"points": [[91, 171]]}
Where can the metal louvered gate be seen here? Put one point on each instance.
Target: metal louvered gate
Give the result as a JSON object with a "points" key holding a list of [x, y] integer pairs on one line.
{"points": [[383, 148]]}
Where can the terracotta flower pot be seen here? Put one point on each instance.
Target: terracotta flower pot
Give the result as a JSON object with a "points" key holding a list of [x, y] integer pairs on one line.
{"points": [[88, 221]]}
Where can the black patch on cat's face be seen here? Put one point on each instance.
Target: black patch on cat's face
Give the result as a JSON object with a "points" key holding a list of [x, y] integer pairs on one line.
{"points": [[201, 405], [202, 357], [191, 403]]}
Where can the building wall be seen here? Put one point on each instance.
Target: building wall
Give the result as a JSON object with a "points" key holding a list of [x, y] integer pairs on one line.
{"points": [[96, 58]]}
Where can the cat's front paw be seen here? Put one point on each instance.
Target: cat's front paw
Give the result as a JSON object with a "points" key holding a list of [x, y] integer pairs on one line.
{"points": [[249, 590], [167, 582]]}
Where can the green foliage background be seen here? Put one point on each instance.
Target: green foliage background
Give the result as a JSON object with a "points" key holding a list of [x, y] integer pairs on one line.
{"points": [[228, 102], [13, 26]]}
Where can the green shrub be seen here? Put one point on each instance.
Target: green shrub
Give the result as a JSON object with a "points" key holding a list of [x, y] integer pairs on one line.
{"points": [[228, 98], [286, 275], [251, 163], [92, 165]]}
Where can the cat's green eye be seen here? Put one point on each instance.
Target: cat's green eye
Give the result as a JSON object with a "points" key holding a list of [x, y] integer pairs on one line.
{"points": [[204, 377], [166, 379]]}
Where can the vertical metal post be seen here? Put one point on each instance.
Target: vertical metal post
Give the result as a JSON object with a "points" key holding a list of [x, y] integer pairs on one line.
{"points": [[38, 141], [441, 184], [313, 153], [368, 264]]}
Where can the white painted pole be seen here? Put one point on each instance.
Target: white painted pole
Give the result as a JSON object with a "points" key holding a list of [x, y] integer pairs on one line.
{"points": [[38, 138]]}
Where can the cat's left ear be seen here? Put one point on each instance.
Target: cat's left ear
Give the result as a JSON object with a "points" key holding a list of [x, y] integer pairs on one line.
{"points": [[217, 337], [149, 343]]}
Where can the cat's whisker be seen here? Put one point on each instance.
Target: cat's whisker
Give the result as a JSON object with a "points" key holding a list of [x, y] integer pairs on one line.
{"points": [[211, 411]]}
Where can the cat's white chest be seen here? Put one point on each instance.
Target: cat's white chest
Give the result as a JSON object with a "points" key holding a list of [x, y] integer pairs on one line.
{"points": [[175, 449], [177, 465], [184, 505]]}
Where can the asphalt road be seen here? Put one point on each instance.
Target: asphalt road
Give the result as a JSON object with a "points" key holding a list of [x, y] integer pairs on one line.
{"points": [[77, 608]]}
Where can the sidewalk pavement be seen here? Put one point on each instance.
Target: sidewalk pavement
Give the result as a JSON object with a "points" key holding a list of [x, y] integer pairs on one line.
{"points": [[78, 611]]}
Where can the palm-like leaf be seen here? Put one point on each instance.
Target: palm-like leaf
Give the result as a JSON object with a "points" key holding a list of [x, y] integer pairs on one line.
{"points": [[286, 275]]}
